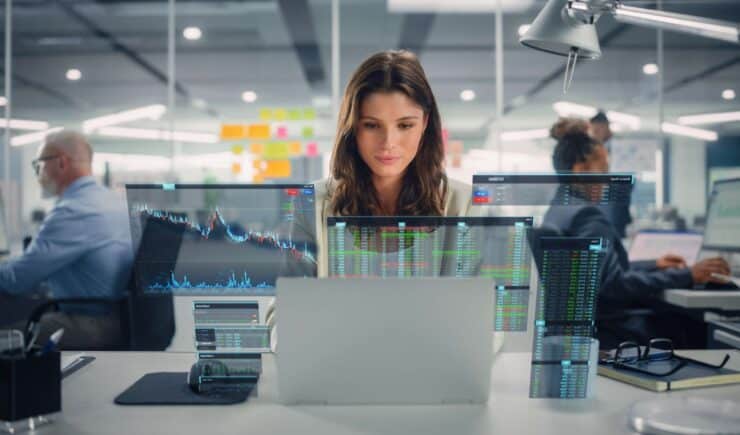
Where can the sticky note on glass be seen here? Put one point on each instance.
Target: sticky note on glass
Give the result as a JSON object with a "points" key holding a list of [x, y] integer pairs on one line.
{"points": [[266, 114], [237, 149], [276, 150], [258, 131], [236, 168], [309, 114], [272, 169], [281, 132], [279, 114], [295, 148], [232, 132], [312, 149], [257, 148], [307, 132], [295, 114]]}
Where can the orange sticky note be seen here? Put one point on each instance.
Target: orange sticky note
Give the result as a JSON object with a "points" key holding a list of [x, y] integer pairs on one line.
{"points": [[236, 168], [274, 168], [232, 131], [294, 148], [257, 148], [258, 131]]}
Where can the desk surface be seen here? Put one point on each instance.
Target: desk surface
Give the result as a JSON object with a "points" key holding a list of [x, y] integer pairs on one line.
{"points": [[728, 300], [88, 406]]}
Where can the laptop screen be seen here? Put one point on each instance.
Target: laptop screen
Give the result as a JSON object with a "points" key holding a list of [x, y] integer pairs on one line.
{"points": [[722, 232], [651, 245]]}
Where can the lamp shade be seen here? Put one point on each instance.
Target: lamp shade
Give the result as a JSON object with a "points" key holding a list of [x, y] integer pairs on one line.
{"points": [[554, 31]]}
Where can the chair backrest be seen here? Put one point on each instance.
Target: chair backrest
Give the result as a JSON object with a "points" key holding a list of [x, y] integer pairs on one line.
{"points": [[151, 319]]}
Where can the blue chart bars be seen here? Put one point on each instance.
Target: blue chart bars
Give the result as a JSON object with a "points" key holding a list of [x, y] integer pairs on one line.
{"points": [[221, 239], [555, 189], [407, 247], [564, 319]]}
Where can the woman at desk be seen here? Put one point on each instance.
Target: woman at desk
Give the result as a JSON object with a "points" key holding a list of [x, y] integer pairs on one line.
{"points": [[388, 156], [624, 292]]}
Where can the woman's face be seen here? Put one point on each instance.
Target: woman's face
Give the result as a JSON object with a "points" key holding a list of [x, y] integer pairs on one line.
{"points": [[389, 133]]}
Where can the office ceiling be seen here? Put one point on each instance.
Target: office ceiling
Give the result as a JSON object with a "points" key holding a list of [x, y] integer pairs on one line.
{"points": [[281, 49]]}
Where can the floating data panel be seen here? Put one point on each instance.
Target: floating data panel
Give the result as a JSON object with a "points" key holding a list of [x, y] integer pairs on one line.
{"points": [[564, 315], [407, 247], [229, 371], [228, 326], [552, 189], [221, 239]]}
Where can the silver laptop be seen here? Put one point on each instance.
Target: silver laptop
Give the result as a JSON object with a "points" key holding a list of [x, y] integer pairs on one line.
{"points": [[384, 341]]}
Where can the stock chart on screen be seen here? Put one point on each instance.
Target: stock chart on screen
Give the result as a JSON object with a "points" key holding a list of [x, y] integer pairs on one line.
{"points": [[221, 239]]}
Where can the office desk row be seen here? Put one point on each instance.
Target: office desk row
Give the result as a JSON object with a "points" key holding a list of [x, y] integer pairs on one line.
{"points": [[88, 406]]}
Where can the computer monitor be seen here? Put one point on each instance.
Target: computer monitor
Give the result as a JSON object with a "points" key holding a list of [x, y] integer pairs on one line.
{"points": [[4, 242], [236, 239], [722, 231]]}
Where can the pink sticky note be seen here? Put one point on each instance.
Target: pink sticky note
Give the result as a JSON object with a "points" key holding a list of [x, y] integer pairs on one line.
{"points": [[282, 132], [312, 149]]}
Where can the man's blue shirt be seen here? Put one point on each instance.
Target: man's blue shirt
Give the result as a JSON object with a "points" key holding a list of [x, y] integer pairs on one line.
{"points": [[83, 248]]}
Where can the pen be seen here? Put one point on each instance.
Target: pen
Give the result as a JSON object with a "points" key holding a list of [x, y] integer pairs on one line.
{"points": [[52, 343]]}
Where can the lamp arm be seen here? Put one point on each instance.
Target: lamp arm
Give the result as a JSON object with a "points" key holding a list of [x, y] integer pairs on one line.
{"points": [[709, 28]]}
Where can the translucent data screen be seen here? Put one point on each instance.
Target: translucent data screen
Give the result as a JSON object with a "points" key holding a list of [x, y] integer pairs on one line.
{"points": [[221, 239]]}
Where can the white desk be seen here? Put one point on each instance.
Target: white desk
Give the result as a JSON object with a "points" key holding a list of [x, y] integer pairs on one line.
{"points": [[88, 406], [728, 300]]}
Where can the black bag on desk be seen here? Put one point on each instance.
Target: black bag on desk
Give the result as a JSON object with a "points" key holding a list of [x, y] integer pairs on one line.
{"points": [[30, 386]]}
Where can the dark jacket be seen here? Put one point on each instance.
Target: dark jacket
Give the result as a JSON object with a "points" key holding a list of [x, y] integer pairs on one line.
{"points": [[621, 285]]}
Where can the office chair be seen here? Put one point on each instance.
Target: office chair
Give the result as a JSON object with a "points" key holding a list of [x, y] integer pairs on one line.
{"points": [[147, 320]]}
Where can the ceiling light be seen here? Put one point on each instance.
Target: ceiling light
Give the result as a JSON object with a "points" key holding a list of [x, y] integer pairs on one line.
{"points": [[30, 138], [650, 69], [458, 6], [696, 133], [154, 111], [467, 95], [728, 94], [523, 29], [522, 135], [161, 135], [3, 101], [709, 118], [23, 124], [617, 119], [199, 103], [73, 74], [249, 96], [192, 33]]}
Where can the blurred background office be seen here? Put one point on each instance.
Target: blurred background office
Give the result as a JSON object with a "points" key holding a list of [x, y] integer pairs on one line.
{"points": [[239, 91]]}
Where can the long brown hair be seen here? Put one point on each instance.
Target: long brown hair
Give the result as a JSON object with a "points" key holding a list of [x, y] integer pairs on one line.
{"points": [[424, 182]]}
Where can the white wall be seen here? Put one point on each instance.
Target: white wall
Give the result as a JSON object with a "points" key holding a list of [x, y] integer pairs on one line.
{"points": [[688, 189]]}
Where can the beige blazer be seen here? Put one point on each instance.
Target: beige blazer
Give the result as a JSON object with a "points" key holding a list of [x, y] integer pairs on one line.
{"points": [[457, 203]]}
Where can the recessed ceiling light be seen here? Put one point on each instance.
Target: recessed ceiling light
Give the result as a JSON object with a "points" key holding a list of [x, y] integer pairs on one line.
{"points": [[199, 103], [650, 69], [467, 95], [728, 94], [192, 33], [523, 29], [3, 101], [321, 101], [73, 74], [249, 96]]}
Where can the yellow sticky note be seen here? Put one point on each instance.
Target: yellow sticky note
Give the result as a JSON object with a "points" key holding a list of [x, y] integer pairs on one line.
{"points": [[266, 114], [307, 132], [279, 114], [295, 114], [258, 131], [309, 114], [276, 150], [257, 148], [237, 149], [232, 131]]}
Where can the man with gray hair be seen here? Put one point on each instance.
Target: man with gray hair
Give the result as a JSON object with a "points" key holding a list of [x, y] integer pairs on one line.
{"points": [[83, 248]]}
